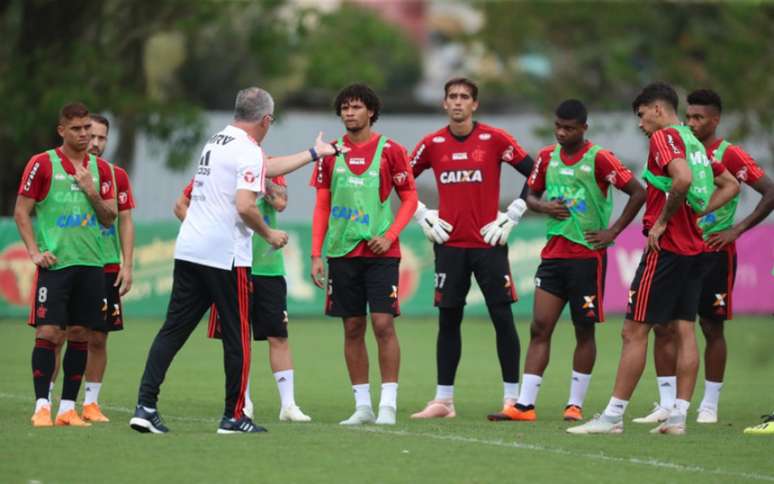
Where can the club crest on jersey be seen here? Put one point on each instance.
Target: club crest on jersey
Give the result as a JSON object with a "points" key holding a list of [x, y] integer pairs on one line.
{"points": [[461, 176], [459, 156], [350, 215], [439, 139], [507, 154], [400, 178]]}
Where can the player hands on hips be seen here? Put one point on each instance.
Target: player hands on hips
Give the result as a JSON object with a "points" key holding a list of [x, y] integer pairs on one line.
{"points": [[470, 235], [352, 217]]}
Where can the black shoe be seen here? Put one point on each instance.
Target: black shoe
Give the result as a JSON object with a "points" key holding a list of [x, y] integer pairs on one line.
{"points": [[243, 425], [145, 422]]}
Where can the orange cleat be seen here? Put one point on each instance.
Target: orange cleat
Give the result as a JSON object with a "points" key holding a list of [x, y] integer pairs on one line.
{"points": [[437, 409], [70, 418], [573, 413], [515, 413], [42, 417], [93, 413]]}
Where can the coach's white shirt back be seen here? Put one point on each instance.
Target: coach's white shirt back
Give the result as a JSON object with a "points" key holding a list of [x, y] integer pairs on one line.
{"points": [[213, 234]]}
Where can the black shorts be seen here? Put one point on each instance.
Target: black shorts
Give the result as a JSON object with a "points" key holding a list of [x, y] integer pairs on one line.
{"points": [[490, 266], [73, 296], [114, 317], [666, 287], [357, 282], [717, 286], [581, 282], [270, 310]]}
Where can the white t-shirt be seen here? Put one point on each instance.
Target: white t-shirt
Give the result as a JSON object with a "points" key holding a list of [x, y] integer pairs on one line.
{"points": [[213, 234]]}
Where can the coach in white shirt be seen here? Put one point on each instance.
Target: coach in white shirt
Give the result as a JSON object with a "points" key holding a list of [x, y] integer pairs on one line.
{"points": [[213, 255]]}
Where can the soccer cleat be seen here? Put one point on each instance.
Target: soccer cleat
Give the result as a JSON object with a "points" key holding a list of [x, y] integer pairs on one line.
{"points": [[230, 425], [573, 413], [707, 415], [248, 409], [363, 415], [386, 416], [42, 418], [764, 428], [292, 413], [437, 409], [515, 413], [147, 422], [674, 425], [70, 418], [600, 424], [92, 413], [658, 415]]}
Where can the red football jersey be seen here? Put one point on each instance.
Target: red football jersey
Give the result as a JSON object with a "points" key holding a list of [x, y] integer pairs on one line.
{"points": [[467, 174], [125, 197], [608, 170], [682, 234], [394, 172], [36, 180]]}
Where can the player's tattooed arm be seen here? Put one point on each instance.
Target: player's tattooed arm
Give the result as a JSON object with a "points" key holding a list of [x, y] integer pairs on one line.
{"points": [[276, 195], [680, 173]]}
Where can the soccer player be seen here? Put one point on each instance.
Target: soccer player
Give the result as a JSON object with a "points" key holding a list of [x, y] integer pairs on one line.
{"points": [[270, 311], [470, 235], [719, 261], [575, 176], [665, 289], [213, 253], [352, 216], [71, 192]]}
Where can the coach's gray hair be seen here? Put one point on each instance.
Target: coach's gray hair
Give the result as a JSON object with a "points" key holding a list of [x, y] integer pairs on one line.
{"points": [[252, 104]]}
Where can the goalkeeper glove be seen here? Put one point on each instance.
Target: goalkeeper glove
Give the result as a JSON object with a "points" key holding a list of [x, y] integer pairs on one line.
{"points": [[435, 228], [497, 232]]}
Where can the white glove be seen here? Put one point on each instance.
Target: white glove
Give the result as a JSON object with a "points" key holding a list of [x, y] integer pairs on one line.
{"points": [[435, 228], [497, 232]]}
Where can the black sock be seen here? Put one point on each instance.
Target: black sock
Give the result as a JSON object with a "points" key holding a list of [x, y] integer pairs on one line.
{"points": [[449, 344], [74, 365], [508, 346], [43, 360]]}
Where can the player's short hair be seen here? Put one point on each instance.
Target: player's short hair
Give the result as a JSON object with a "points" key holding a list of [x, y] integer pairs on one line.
{"points": [[252, 104], [101, 120], [73, 110], [461, 81], [572, 109], [359, 92], [656, 91], [705, 97]]}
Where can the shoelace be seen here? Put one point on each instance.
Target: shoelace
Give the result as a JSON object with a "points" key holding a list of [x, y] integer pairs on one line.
{"points": [[768, 418]]}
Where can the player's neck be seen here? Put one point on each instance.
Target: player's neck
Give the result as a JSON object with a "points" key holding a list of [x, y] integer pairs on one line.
{"points": [[463, 128], [574, 148], [710, 140], [361, 135], [71, 154]]}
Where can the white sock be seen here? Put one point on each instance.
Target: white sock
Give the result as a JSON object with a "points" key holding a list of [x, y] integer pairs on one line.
{"points": [[711, 394], [681, 407], [284, 381], [616, 407], [444, 392], [389, 396], [362, 395], [578, 388], [667, 391], [65, 406], [510, 391], [50, 391], [91, 394], [248, 400], [40, 403], [530, 386]]}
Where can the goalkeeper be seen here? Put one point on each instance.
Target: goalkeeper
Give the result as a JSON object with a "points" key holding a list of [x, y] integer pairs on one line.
{"points": [[575, 175], [470, 235]]}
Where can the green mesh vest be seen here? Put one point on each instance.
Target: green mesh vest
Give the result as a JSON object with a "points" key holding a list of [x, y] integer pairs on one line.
{"points": [[357, 211], [576, 186], [67, 224], [266, 260], [722, 218], [702, 184]]}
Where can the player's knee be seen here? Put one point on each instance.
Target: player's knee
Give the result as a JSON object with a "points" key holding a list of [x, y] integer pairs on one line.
{"points": [[712, 329], [584, 335], [384, 330], [278, 344], [77, 333], [634, 333], [50, 333], [663, 334], [354, 331], [540, 330]]}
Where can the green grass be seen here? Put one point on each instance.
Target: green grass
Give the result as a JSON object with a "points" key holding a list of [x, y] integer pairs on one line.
{"points": [[465, 449]]}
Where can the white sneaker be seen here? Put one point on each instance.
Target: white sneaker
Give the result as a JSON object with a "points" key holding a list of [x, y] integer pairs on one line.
{"points": [[248, 409], [659, 414], [386, 416], [674, 425], [292, 413], [600, 424], [707, 415], [363, 415]]}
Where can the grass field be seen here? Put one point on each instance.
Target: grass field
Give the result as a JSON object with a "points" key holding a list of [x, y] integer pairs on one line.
{"points": [[465, 449]]}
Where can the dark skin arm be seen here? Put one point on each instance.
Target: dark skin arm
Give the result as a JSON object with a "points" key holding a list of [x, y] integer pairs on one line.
{"points": [[603, 238], [764, 186], [680, 173], [553, 208]]}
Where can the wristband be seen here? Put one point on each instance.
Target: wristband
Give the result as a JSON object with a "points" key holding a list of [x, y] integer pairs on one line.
{"points": [[336, 149], [314, 154]]}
